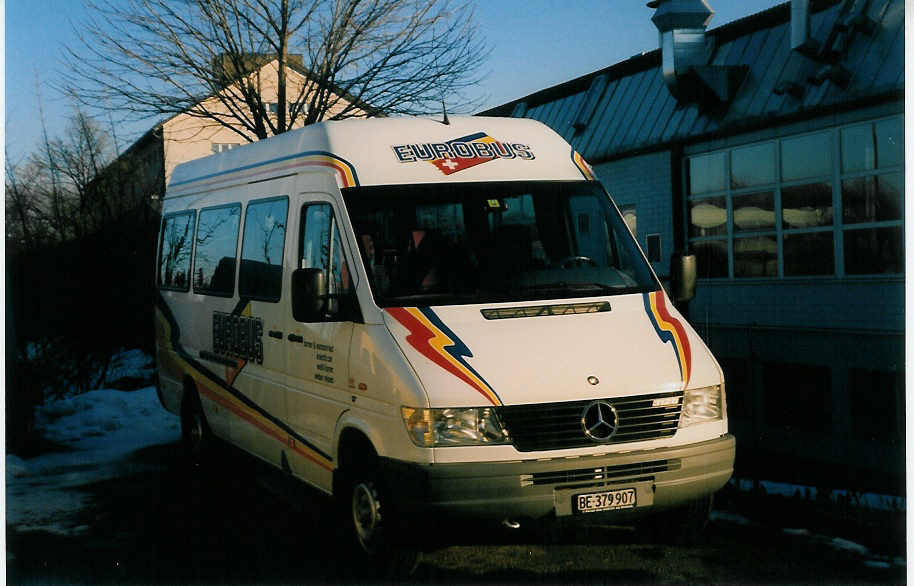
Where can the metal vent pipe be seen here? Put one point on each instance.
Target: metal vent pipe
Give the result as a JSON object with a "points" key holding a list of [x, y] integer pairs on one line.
{"points": [[800, 39], [682, 25]]}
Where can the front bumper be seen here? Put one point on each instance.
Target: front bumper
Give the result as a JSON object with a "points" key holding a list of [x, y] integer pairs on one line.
{"points": [[663, 478]]}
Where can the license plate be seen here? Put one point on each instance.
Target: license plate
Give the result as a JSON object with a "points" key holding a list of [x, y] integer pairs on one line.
{"points": [[623, 498]]}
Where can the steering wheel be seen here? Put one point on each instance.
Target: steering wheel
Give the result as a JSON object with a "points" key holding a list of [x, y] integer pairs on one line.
{"points": [[576, 261]]}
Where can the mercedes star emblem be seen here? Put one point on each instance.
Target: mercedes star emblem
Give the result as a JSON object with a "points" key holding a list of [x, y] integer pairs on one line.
{"points": [[600, 421]]}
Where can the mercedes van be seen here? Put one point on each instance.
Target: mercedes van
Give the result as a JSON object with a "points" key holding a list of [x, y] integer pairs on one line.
{"points": [[435, 319]]}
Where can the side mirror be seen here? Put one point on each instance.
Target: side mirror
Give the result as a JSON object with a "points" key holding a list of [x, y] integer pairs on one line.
{"points": [[683, 276], [309, 294]]}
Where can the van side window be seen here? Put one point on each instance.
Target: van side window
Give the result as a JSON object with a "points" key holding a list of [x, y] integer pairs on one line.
{"points": [[175, 251], [217, 243], [321, 248], [262, 249]]}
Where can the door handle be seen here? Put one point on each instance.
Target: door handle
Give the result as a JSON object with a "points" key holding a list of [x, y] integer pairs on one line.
{"points": [[275, 334], [296, 338]]}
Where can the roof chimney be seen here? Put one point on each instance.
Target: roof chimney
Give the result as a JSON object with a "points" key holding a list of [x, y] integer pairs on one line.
{"points": [[686, 52]]}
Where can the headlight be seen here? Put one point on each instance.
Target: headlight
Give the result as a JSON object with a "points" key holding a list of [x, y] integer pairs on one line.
{"points": [[429, 428], [702, 405]]}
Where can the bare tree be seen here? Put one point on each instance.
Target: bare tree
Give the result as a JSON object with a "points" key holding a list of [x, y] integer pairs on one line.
{"points": [[25, 222], [154, 58], [55, 194], [79, 157]]}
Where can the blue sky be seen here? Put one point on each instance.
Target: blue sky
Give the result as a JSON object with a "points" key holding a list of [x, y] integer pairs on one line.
{"points": [[535, 44]]}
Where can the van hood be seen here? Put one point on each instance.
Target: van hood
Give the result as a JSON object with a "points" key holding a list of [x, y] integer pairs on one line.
{"points": [[543, 352]]}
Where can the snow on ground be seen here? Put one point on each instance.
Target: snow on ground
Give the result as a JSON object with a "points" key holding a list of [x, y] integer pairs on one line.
{"points": [[868, 500], [870, 559], [98, 430]]}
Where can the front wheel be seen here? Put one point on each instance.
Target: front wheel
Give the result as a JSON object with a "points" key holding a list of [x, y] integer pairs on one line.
{"points": [[372, 521]]}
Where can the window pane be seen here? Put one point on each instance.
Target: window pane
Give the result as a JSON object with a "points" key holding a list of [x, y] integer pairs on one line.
{"points": [[858, 153], [315, 245], [753, 212], [872, 199], [755, 257], [217, 241], [174, 262], [321, 247], [708, 217], [262, 250], [806, 156], [805, 206], [753, 165], [708, 173], [889, 143], [654, 248], [711, 258], [874, 251], [630, 216], [809, 254]]}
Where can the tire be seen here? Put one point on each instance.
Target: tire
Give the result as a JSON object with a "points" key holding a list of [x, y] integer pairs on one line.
{"points": [[373, 529], [195, 433]]}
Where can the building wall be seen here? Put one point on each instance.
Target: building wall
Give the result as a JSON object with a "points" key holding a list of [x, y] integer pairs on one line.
{"points": [[187, 138], [644, 183], [814, 361]]}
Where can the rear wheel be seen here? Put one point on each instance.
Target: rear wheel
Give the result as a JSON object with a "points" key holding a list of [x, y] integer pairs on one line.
{"points": [[195, 432]]}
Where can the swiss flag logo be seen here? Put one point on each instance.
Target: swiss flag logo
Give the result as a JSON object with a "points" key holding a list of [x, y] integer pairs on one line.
{"points": [[450, 165]]}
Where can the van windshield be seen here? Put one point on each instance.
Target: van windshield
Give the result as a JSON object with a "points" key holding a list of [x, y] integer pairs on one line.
{"points": [[447, 244]]}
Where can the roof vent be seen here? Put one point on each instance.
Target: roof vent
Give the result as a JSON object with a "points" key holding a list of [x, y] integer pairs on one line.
{"points": [[800, 40], [686, 53]]}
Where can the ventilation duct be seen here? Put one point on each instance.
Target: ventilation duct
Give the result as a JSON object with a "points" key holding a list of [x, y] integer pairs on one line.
{"points": [[800, 40], [686, 53]]}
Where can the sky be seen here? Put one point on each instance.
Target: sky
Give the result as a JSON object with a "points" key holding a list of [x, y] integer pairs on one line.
{"points": [[543, 44]]}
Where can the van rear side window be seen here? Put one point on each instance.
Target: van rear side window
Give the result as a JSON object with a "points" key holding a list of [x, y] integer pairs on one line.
{"points": [[262, 249], [217, 243], [175, 251]]}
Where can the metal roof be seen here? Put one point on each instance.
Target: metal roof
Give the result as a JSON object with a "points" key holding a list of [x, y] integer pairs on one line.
{"points": [[627, 107]]}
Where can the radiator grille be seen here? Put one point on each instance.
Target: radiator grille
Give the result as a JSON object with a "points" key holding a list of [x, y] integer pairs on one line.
{"points": [[555, 426], [601, 474]]}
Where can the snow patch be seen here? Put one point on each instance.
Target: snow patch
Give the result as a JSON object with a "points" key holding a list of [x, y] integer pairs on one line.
{"points": [[729, 517], [845, 545], [867, 500], [98, 429]]}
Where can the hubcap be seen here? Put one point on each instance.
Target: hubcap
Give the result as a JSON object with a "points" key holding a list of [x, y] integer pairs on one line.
{"points": [[366, 514], [196, 430]]}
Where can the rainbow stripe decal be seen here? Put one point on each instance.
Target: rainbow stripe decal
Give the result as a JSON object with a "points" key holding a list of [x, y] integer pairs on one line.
{"points": [[345, 171], [434, 340], [582, 165], [179, 363], [670, 329]]}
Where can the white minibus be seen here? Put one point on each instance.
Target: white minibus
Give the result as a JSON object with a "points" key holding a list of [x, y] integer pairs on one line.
{"points": [[430, 319]]}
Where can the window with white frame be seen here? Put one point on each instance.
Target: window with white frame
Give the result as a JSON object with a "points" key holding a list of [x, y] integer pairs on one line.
{"points": [[827, 203], [221, 147]]}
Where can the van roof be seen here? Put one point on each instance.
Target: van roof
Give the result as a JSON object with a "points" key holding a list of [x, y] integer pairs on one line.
{"points": [[391, 151]]}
